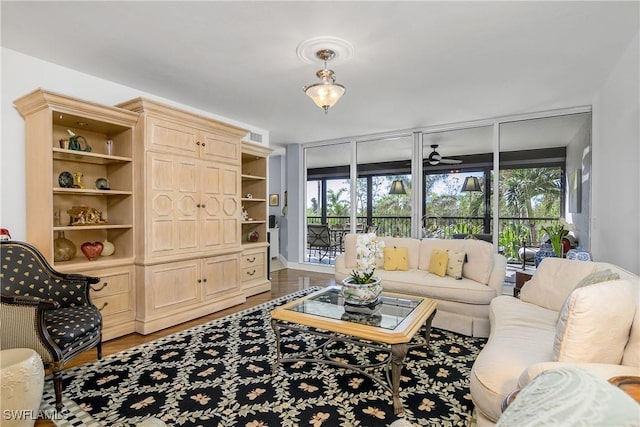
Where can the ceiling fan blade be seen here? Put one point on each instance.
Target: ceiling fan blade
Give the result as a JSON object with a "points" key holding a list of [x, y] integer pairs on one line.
{"points": [[450, 161]]}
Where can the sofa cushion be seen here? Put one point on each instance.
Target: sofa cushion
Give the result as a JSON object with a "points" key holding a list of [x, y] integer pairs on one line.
{"points": [[553, 280], [412, 245], [396, 258], [517, 329], [570, 396], [438, 262], [427, 246], [594, 323], [479, 260], [455, 264], [419, 282], [598, 277]]}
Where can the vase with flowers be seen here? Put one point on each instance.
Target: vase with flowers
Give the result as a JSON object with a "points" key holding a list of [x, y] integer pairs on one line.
{"points": [[557, 233], [363, 288]]}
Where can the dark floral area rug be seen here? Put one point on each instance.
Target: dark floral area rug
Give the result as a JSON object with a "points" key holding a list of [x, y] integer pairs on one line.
{"points": [[219, 374]]}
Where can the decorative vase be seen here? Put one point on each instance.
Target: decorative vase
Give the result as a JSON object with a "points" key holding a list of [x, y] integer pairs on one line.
{"points": [[108, 248], [65, 179], [253, 236], [91, 250], [545, 251], [361, 294], [63, 248]]}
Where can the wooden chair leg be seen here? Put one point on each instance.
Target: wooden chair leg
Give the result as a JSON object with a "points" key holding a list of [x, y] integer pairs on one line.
{"points": [[57, 386]]}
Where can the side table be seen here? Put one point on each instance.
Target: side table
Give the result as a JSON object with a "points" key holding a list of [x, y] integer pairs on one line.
{"points": [[521, 278], [21, 385]]}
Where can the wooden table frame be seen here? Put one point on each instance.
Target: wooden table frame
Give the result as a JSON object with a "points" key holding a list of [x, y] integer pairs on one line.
{"points": [[395, 341]]}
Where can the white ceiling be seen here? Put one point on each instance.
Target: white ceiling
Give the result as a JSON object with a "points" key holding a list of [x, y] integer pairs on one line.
{"points": [[415, 64]]}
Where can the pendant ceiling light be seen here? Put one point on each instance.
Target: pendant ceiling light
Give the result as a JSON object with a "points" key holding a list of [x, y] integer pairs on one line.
{"points": [[327, 93]]}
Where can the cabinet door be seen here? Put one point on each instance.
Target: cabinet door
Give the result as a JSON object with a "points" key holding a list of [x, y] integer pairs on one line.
{"points": [[221, 274], [172, 137], [172, 285], [172, 205], [220, 211], [220, 148]]}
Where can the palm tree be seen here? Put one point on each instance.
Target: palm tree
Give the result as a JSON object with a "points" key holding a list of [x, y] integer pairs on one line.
{"points": [[520, 187]]}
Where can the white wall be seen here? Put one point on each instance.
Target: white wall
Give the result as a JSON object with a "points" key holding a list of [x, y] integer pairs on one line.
{"points": [[22, 74], [615, 220], [579, 157]]}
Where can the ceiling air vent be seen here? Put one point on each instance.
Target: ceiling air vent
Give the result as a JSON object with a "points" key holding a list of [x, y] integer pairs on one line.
{"points": [[255, 137]]}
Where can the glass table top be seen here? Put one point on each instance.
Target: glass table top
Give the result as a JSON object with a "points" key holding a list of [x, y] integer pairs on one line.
{"points": [[330, 304]]}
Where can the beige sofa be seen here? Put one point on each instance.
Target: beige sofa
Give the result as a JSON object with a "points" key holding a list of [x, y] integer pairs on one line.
{"points": [[558, 322], [463, 305]]}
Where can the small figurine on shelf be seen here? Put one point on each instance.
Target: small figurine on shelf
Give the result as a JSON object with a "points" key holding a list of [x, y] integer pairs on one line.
{"points": [[77, 180], [84, 215], [245, 214], [74, 142]]}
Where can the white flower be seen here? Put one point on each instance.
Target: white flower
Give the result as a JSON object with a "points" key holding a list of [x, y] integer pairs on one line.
{"points": [[368, 251]]}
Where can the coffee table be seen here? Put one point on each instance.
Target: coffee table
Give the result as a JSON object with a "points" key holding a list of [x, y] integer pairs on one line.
{"points": [[322, 314]]}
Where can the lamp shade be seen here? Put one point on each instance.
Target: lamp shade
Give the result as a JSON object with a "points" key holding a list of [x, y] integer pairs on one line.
{"points": [[397, 187], [471, 183], [325, 94]]}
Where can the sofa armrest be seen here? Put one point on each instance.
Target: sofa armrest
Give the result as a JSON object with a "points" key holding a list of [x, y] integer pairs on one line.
{"points": [[498, 273], [602, 370]]}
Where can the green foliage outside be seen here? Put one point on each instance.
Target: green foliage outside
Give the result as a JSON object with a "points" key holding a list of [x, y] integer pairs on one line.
{"points": [[524, 193]]}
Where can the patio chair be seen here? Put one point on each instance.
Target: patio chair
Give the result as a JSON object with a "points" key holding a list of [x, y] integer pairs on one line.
{"points": [[319, 239], [47, 311]]}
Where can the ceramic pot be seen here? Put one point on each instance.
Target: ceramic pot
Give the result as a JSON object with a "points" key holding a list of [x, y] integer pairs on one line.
{"points": [[63, 248], [361, 294], [546, 250], [108, 248], [91, 250], [253, 236]]}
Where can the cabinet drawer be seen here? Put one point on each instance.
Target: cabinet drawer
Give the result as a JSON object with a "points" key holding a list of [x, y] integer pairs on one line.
{"points": [[113, 304], [252, 259], [253, 273], [111, 284]]}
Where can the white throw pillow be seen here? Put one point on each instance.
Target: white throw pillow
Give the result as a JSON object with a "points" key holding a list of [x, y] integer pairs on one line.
{"points": [[553, 280], [594, 323], [455, 264]]}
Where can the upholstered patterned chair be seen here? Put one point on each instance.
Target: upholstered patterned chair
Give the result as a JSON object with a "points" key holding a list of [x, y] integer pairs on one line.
{"points": [[47, 311]]}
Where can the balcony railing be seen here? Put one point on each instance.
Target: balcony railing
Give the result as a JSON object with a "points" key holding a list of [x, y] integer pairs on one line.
{"points": [[513, 231]]}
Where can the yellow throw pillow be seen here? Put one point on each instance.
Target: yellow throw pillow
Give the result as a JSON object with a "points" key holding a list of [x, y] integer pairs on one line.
{"points": [[396, 259], [456, 261], [438, 262]]}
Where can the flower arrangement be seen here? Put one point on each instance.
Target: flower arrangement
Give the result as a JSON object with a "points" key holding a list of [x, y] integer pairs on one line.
{"points": [[556, 233], [368, 251]]}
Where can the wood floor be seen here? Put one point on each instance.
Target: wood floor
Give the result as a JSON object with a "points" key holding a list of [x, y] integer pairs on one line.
{"points": [[283, 282]]}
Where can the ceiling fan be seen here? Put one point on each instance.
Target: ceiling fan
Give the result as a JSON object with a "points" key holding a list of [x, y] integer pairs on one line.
{"points": [[435, 158]]}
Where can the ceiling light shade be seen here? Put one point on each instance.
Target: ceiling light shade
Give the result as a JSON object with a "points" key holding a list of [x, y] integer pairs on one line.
{"points": [[328, 92], [471, 183], [397, 187]]}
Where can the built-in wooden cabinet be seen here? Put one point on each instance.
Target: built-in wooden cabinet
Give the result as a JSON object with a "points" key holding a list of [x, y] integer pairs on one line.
{"points": [[49, 119], [188, 172], [254, 222], [172, 187]]}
